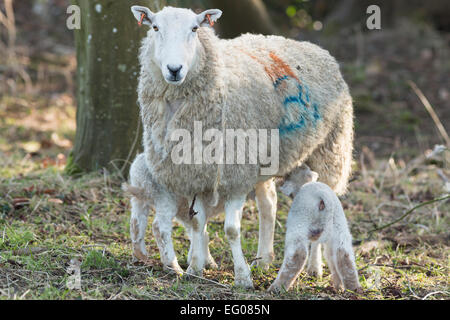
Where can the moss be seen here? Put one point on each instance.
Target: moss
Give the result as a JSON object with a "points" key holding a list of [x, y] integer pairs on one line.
{"points": [[72, 169]]}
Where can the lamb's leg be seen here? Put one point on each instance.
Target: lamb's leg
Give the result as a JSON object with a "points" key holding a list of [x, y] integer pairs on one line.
{"points": [[166, 210], [293, 263], [314, 267], [138, 226], [198, 250], [330, 258], [140, 181], [266, 200], [347, 269], [233, 214]]}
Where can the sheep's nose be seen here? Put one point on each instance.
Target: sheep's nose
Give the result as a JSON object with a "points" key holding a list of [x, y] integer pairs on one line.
{"points": [[174, 70]]}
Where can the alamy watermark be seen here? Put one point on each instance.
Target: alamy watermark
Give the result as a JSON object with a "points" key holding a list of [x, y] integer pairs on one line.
{"points": [[73, 22], [234, 146], [374, 20]]}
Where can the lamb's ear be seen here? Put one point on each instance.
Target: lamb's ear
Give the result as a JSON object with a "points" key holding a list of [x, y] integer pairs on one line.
{"points": [[138, 11], [208, 17], [288, 188], [314, 176]]}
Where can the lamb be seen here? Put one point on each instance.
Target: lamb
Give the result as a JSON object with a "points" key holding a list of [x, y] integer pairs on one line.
{"points": [[316, 216], [189, 76]]}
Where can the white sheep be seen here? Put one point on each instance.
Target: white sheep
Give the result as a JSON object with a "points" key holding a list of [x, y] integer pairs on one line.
{"points": [[189, 76], [316, 217]]}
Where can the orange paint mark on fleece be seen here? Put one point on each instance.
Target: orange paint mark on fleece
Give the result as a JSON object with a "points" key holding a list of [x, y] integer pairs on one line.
{"points": [[280, 68], [276, 69]]}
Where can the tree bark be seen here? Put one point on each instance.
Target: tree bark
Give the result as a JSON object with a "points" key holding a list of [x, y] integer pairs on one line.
{"points": [[241, 16], [108, 126]]}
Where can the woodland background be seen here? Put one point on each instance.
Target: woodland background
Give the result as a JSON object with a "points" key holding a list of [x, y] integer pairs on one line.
{"points": [[66, 142]]}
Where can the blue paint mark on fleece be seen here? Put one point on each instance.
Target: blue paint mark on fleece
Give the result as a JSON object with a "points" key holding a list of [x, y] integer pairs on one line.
{"points": [[296, 99], [286, 128], [279, 81], [287, 125]]}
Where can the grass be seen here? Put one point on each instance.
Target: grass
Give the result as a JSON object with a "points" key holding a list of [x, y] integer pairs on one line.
{"points": [[59, 219]]}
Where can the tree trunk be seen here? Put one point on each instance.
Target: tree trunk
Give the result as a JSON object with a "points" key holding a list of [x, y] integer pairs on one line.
{"points": [[241, 16], [108, 125]]}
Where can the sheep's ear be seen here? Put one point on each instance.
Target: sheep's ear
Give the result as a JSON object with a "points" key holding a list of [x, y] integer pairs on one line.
{"points": [[208, 17], [138, 11], [288, 188]]}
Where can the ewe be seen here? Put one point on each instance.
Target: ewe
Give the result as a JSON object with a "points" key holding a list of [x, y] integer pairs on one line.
{"points": [[316, 216], [189, 76]]}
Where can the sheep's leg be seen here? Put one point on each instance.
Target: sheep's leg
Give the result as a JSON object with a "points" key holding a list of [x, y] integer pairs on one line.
{"points": [[266, 200], [166, 210], [314, 267], [293, 263], [198, 250], [233, 214], [330, 258], [210, 262], [346, 268], [209, 259], [138, 226], [189, 232]]}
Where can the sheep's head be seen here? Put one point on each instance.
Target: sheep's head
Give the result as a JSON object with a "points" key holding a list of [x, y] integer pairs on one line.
{"points": [[176, 42]]}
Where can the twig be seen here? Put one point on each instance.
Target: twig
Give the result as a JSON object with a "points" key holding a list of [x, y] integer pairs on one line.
{"points": [[201, 278], [136, 138], [442, 175], [28, 251], [433, 293], [431, 111], [407, 213]]}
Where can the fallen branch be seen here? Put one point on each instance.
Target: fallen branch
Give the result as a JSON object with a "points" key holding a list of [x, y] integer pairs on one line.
{"points": [[407, 213], [431, 111]]}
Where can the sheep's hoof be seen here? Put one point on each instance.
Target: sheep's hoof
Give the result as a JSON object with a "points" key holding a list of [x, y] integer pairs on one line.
{"points": [[212, 265], [359, 290], [192, 273], [245, 283], [174, 268], [274, 288], [140, 255], [315, 272], [264, 265], [264, 261]]}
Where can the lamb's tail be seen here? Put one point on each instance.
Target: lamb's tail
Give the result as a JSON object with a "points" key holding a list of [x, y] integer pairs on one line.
{"points": [[136, 192]]}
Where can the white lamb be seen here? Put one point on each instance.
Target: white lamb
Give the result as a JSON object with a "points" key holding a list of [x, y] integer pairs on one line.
{"points": [[190, 76], [316, 216]]}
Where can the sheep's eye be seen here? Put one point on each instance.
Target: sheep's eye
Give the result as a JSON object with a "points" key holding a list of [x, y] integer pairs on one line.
{"points": [[194, 29], [155, 28]]}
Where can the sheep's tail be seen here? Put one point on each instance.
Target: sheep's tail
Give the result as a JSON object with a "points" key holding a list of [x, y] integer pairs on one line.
{"points": [[136, 192]]}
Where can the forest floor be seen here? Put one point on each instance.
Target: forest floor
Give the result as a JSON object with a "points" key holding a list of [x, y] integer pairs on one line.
{"points": [[48, 219]]}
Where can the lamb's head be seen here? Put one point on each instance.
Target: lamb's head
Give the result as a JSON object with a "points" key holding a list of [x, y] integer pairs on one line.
{"points": [[296, 179], [175, 39]]}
